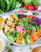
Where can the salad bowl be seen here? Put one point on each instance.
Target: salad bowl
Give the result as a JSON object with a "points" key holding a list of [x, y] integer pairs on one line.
{"points": [[19, 14]]}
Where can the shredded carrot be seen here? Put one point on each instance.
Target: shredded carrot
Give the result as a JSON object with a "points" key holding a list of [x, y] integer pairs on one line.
{"points": [[29, 33], [20, 43], [20, 34], [29, 20], [31, 16], [20, 25], [27, 30]]}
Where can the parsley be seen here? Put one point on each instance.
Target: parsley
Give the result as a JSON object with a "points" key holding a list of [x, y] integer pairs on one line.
{"points": [[11, 44], [10, 50], [7, 47], [20, 49], [30, 48], [39, 43]]}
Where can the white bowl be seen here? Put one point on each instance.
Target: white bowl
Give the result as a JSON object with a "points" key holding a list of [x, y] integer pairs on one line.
{"points": [[5, 17]]}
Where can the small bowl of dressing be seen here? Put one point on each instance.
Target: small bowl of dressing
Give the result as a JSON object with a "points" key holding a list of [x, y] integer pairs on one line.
{"points": [[2, 44]]}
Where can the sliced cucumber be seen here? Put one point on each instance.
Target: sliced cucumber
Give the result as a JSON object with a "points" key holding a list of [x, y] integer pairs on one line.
{"points": [[28, 41], [3, 4], [0, 4]]}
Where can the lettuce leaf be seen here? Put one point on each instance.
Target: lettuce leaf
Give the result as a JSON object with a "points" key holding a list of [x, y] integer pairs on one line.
{"points": [[27, 2], [36, 2]]}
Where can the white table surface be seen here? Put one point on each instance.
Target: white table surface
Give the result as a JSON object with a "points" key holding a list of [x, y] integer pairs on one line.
{"points": [[16, 48]]}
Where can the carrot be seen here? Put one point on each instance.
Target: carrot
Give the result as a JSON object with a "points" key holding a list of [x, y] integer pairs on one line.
{"points": [[31, 16], [17, 43], [27, 30], [20, 34], [20, 25], [29, 20], [17, 40]]}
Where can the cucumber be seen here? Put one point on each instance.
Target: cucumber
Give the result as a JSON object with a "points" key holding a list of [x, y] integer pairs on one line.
{"points": [[3, 4]]}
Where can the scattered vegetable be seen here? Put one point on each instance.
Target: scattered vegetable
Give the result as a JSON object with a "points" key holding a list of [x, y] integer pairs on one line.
{"points": [[39, 43], [36, 7], [27, 2], [11, 44], [10, 50], [7, 49], [39, 8], [35, 14], [36, 2], [20, 49], [25, 6], [30, 48], [31, 7], [9, 5]]}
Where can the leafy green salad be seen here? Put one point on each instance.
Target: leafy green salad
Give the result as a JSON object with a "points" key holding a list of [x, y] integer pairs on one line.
{"points": [[27, 31]]}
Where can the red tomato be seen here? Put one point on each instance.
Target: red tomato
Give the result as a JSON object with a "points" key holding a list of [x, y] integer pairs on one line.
{"points": [[25, 6], [31, 7], [36, 7]]}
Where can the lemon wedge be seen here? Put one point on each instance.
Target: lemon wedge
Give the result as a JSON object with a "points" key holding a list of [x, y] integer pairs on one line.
{"points": [[15, 17]]}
